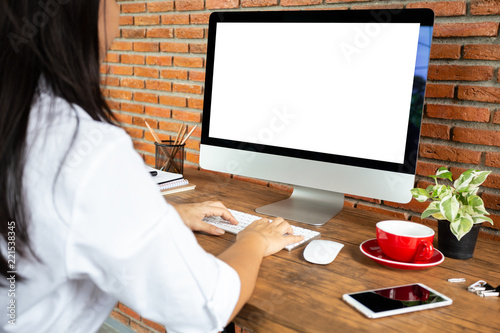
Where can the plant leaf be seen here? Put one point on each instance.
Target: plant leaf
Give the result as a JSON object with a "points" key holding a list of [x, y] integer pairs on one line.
{"points": [[479, 177], [481, 219], [462, 226], [433, 208], [449, 207], [444, 173], [462, 183], [420, 194]]}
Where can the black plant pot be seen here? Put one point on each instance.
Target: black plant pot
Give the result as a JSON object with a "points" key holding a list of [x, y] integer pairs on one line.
{"points": [[451, 247]]}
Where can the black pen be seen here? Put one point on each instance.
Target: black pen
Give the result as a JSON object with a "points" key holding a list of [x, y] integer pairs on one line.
{"points": [[153, 173]]}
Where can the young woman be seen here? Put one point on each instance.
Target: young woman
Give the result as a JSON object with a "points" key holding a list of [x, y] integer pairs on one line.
{"points": [[82, 223]]}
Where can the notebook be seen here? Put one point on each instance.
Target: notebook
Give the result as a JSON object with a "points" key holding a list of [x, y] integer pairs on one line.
{"points": [[169, 182]]}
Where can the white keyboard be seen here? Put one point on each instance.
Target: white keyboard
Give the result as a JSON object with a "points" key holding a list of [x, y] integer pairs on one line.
{"points": [[245, 219]]}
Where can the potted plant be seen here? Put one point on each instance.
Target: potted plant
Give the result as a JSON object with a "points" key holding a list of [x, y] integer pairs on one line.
{"points": [[458, 209]]}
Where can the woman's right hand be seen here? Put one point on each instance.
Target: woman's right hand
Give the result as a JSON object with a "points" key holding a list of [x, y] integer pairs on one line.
{"points": [[275, 235]]}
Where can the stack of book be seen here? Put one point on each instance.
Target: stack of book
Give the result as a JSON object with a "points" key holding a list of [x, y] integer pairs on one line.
{"points": [[169, 182]]}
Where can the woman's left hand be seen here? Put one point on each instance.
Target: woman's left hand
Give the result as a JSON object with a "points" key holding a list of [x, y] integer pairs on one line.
{"points": [[192, 215]]}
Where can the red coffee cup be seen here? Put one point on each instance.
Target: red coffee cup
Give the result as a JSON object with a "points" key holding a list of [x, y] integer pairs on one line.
{"points": [[405, 241]]}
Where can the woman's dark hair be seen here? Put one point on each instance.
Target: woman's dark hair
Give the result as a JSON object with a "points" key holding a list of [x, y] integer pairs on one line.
{"points": [[56, 39]]}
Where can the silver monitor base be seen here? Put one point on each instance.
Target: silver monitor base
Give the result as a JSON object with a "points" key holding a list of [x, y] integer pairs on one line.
{"points": [[306, 205]]}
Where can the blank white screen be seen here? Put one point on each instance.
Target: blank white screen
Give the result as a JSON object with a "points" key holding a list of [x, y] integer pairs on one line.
{"points": [[337, 88]]}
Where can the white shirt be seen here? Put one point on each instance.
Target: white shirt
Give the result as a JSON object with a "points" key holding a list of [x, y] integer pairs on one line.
{"points": [[105, 234]]}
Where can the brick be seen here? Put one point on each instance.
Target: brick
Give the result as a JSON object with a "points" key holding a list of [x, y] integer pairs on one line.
{"points": [[121, 70], [426, 168], [113, 105], [446, 153], [491, 201], [123, 118], [139, 328], [198, 48], [174, 74], [222, 4], [496, 117], [134, 132], [492, 159], [125, 20], [479, 93], [458, 112], [135, 59], [162, 6], [483, 29], [133, 7], [144, 146], [201, 18], [187, 88], [110, 81], [121, 46], [174, 47], [135, 108], [140, 121], [186, 116], [182, 5], [189, 33], [445, 51], [146, 20], [145, 71], [188, 62], [158, 85], [442, 8], [160, 33], [300, 2], [434, 90], [133, 33], [112, 57], [145, 97], [159, 60], [129, 312], [192, 157], [195, 103], [197, 76], [173, 101], [175, 19], [169, 126], [485, 7], [460, 73], [383, 211], [153, 325], [157, 112], [146, 47], [120, 94], [132, 83], [477, 136], [437, 131], [149, 159], [482, 51], [258, 3]]}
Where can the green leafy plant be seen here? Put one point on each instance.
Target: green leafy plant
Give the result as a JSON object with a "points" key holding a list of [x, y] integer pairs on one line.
{"points": [[459, 204]]}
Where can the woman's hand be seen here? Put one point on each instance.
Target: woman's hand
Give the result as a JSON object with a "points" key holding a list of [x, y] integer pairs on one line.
{"points": [[275, 235], [192, 215]]}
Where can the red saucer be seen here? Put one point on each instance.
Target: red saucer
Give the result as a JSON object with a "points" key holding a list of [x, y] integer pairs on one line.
{"points": [[371, 249]]}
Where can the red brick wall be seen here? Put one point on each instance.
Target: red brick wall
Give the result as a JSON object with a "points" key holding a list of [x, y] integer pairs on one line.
{"points": [[155, 71]]}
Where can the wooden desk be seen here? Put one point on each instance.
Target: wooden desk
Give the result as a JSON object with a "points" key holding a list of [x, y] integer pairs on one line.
{"points": [[293, 295]]}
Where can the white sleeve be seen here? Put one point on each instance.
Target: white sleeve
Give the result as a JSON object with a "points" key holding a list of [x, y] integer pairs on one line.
{"points": [[134, 246]]}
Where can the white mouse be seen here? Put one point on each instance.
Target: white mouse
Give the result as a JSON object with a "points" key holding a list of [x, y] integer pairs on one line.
{"points": [[322, 251]]}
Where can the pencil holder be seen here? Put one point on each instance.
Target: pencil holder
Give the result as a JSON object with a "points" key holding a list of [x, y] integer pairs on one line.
{"points": [[169, 156]]}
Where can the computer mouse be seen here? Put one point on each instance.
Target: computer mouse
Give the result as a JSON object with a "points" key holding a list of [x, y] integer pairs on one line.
{"points": [[321, 251]]}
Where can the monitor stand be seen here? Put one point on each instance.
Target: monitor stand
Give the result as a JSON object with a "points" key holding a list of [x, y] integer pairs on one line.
{"points": [[306, 205]]}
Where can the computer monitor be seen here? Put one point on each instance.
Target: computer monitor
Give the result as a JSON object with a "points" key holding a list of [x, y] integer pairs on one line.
{"points": [[329, 102]]}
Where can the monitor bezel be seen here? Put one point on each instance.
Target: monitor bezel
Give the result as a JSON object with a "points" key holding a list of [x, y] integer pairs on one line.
{"points": [[425, 17]]}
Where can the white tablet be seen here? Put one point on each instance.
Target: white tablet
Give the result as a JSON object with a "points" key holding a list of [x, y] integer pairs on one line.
{"points": [[396, 300]]}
